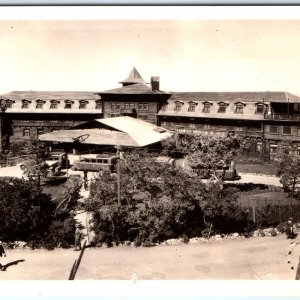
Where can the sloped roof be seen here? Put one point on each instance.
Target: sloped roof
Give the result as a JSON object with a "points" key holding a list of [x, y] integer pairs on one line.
{"points": [[249, 99], [122, 131], [133, 77], [142, 132], [133, 89], [93, 136], [235, 96], [51, 95]]}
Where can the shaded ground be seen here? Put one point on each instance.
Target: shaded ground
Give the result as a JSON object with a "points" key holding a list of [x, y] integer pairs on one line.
{"points": [[255, 258], [263, 168]]}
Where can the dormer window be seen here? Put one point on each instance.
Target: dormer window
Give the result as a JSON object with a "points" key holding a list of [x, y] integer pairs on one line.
{"points": [[192, 106], [54, 104], [98, 104], [178, 105], [9, 103], [82, 104], [25, 104], [260, 108], [206, 107], [222, 107], [39, 104], [68, 104], [239, 107]]}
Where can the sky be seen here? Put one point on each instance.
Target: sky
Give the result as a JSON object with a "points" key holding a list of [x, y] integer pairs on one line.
{"points": [[188, 54]]}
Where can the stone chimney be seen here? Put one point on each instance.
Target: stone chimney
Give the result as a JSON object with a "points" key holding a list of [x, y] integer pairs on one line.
{"points": [[155, 83]]}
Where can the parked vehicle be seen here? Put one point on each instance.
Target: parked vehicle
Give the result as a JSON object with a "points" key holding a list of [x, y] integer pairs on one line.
{"points": [[98, 163]]}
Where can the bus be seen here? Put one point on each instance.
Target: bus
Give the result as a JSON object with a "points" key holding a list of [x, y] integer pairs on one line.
{"points": [[95, 164]]}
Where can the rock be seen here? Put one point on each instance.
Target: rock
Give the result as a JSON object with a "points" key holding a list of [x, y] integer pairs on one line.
{"points": [[218, 237], [273, 232], [235, 234]]}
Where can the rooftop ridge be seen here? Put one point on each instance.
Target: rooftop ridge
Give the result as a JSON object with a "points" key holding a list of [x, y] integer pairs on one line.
{"points": [[133, 77]]}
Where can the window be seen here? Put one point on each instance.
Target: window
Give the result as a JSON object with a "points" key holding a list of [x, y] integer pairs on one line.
{"points": [[39, 104], [222, 107], [287, 149], [258, 147], [206, 107], [192, 106], [53, 104], [178, 106], [115, 106], [273, 148], [297, 107], [239, 108], [98, 105], [114, 115], [286, 130], [143, 117], [259, 108], [25, 104], [26, 132], [40, 130], [273, 129], [9, 103], [143, 106], [180, 130], [68, 104], [82, 104]]}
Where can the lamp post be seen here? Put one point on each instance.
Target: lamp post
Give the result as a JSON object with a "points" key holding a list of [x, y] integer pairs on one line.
{"points": [[3, 108]]}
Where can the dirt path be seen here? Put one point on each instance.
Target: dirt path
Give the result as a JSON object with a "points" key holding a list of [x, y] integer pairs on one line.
{"points": [[255, 258]]}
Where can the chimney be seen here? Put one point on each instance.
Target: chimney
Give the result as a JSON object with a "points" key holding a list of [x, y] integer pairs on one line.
{"points": [[155, 83]]}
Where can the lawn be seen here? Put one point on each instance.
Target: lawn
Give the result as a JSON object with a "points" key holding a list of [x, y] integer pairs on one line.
{"points": [[263, 168]]}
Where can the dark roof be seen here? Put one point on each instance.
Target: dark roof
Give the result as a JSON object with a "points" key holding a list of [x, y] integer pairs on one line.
{"points": [[133, 89], [235, 96], [51, 95], [133, 77]]}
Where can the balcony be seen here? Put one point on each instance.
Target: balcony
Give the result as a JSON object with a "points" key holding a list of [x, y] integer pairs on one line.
{"points": [[284, 117]]}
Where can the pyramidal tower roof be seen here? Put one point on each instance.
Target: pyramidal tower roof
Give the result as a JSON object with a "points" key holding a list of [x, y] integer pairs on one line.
{"points": [[133, 77]]}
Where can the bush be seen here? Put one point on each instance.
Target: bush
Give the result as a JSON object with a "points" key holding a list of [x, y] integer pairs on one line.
{"points": [[27, 214]]}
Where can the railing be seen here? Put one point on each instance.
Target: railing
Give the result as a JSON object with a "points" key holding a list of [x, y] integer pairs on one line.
{"points": [[292, 117]]}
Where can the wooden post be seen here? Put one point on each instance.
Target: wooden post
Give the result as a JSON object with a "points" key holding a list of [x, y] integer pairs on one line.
{"points": [[76, 264], [253, 212], [72, 271], [298, 271]]}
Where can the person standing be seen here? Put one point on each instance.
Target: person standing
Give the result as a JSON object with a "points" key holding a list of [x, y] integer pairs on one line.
{"points": [[77, 238], [290, 234], [2, 253]]}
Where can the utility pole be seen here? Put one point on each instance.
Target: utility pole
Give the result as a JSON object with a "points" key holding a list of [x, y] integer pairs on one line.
{"points": [[263, 133], [3, 109], [119, 175]]}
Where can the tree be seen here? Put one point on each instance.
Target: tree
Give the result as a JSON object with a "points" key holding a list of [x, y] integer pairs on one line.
{"points": [[205, 154], [26, 213], [289, 172], [35, 167], [159, 201]]}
